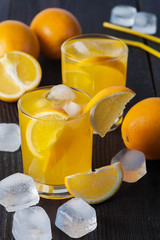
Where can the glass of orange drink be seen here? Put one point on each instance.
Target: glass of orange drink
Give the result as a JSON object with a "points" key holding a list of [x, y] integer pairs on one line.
{"points": [[56, 137], [92, 62]]}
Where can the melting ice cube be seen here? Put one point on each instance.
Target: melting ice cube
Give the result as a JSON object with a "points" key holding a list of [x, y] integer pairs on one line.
{"points": [[71, 108], [123, 15], [81, 48], [31, 223], [145, 23], [10, 139], [76, 218], [18, 191], [61, 92], [133, 163]]}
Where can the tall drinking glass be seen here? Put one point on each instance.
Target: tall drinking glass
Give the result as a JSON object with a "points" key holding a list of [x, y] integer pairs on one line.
{"points": [[53, 147], [92, 62]]}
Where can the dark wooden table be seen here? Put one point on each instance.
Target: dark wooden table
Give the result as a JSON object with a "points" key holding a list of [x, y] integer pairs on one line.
{"points": [[133, 213]]}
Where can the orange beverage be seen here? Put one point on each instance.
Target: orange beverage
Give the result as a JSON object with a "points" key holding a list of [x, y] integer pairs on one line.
{"points": [[55, 143], [93, 62]]}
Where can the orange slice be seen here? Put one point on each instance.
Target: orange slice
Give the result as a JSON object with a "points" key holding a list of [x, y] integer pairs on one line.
{"points": [[74, 75], [104, 61], [95, 187], [98, 59], [106, 106], [43, 131], [19, 72]]}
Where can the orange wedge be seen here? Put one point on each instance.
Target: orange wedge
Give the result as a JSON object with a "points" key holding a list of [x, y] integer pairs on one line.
{"points": [[95, 187], [43, 131], [19, 72], [106, 106]]}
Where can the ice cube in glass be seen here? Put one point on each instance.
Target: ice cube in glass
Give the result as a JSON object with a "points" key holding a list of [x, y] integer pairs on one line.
{"points": [[133, 163], [123, 15], [71, 108], [80, 47], [145, 23], [76, 218], [18, 191], [31, 223], [61, 92]]}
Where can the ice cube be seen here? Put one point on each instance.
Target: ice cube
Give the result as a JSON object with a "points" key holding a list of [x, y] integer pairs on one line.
{"points": [[145, 23], [71, 108], [81, 48], [76, 218], [31, 223], [133, 163], [61, 92], [10, 139], [123, 15], [18, 191]]}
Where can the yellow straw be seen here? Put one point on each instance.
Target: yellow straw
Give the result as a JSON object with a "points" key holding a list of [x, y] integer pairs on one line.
{"points": [[136, 43], [130, 31], [142, 46]]}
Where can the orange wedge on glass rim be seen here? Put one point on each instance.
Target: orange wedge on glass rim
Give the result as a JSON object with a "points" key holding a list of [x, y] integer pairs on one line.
{"points": [[19, 72], [106, 106], [95, 187]]}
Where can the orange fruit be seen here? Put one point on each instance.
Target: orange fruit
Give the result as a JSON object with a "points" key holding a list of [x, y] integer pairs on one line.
{"points": [[15, 35], [106, 106], [95, 187], [141, 128], [53, 26], [19, 72]]}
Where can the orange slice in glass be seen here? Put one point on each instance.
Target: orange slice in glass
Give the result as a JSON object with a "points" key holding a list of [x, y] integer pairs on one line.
{"points": [[43, 131]]}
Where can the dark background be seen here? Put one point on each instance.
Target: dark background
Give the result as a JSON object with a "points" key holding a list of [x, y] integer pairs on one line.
{"points": [[133, 213]]}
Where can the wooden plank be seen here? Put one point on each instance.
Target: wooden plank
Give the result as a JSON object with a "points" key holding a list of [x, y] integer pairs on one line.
{"points": [[146, 6], [4, 9], [9, 162], [25, 11]]}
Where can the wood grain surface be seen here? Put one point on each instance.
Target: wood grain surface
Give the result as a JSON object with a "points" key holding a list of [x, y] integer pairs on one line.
{"points": [[133, 213]]}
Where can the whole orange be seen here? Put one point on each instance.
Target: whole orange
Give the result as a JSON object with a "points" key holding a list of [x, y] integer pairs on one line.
{"points": [[141, 128], [15, 35], [53, 26]]}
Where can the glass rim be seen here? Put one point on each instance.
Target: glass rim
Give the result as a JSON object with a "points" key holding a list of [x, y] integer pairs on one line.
{"points": [[95, 35], [20, 108]]}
